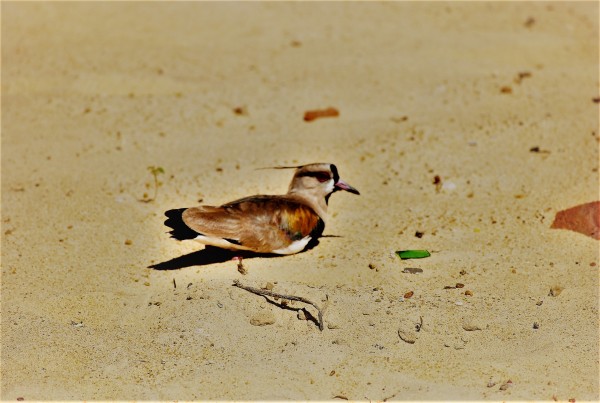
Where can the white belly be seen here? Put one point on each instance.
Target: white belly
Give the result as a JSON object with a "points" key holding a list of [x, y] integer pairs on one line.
{"points": [[294, 247]]}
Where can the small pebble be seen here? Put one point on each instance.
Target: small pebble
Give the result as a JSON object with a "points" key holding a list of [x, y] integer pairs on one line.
{"points": [[469, 293], [412, 270], [262, 319], [240, 110], [128, 242], [471, 325], [536, 325], [301, 314], [555, 291], [449, 186], [529, 22], [456, 343], [332, 325]]}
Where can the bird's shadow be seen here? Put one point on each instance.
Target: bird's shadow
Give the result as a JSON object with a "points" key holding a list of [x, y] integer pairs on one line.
{"points": [[211, 255], [206, 256]]}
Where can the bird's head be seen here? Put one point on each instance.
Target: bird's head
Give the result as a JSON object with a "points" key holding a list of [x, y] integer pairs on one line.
{"points": [[319, 181]]}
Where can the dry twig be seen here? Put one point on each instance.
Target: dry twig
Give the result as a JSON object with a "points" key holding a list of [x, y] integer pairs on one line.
{"points": [[420, 324], [259, 291]]}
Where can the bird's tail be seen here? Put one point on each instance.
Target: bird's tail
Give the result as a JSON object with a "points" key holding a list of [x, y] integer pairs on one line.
{"points": [[179, 231]]}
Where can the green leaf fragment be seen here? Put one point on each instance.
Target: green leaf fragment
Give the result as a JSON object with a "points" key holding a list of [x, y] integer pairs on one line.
{"points": [[412, 254]]}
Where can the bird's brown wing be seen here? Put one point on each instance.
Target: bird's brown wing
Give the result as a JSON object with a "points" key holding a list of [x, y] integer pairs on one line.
{"points": [[259, 223]]}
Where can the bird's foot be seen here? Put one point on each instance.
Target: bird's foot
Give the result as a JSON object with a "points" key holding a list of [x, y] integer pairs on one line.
{"points": [[240, 265]]}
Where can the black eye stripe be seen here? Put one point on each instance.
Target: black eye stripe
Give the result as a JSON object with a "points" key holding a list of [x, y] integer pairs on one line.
{"points": [[321, 176]]}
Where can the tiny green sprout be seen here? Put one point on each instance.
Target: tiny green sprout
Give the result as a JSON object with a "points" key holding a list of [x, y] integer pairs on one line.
{"points": [[154, 171]]}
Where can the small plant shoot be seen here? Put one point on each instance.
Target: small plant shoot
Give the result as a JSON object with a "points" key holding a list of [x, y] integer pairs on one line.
{"points": [[154, 171]]}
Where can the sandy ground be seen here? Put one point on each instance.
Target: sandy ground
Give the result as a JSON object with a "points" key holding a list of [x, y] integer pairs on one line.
{"points": [[93, 94]]}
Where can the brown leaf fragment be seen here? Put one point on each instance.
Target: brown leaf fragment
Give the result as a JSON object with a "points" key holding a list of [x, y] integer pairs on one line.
{"points": [[330, 112], [522, 75], [584, 218]]}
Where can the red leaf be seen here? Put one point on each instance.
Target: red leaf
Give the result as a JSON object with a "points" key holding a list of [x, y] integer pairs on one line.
{"points": [[584, 219]]}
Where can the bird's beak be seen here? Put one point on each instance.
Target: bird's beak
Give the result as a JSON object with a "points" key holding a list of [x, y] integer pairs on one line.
{"points": [[341, 185]]}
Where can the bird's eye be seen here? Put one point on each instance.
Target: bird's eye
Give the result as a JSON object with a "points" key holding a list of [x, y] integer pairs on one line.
{"points": [[322, 176]]}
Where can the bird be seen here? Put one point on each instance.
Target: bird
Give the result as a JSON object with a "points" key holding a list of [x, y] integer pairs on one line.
{"points": [[265, 224]]}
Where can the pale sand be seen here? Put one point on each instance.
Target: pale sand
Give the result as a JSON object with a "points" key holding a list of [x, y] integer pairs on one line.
{"points": [[93, 94]]}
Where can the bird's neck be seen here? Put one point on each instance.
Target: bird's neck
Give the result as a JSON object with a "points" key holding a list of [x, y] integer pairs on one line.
{"points": [[317, 203]]}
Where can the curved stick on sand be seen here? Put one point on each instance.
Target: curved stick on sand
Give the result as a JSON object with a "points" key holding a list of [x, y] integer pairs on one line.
{"points": [[259, 291]]}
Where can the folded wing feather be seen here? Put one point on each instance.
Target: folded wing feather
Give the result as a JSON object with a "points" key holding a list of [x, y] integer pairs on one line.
{"points": [[259, 223]]}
